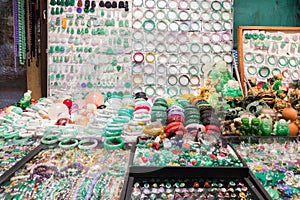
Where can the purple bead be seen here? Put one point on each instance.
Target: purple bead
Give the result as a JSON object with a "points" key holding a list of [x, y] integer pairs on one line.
{"points": [[83, 85], [70, 9], [79, 10]]}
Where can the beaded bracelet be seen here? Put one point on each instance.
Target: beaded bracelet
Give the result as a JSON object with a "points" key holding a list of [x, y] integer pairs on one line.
{"points": [[114, 143]]}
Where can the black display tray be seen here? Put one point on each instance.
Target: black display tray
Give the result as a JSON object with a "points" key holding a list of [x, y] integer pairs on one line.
{"points": [[208, 173], [257, 139], [18, 165]]}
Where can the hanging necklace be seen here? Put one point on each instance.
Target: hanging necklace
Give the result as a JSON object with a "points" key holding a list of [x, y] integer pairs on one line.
{"points": [[16, 30], [21, 31]]}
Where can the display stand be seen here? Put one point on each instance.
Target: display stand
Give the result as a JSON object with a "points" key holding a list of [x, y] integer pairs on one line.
{"points": [[8, 174], [273, 47]]}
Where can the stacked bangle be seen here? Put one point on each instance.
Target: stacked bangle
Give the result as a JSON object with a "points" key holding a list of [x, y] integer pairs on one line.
{"points": [[114, 143], [154, 130], [10, 134], [173, 127]]}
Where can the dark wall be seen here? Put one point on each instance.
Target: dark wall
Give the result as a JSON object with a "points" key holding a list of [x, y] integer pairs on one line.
{"points": [[7, 42], [266, 13]]}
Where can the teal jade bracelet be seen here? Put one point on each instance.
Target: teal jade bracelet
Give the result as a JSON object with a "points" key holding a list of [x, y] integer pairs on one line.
{"points": [[68, 143], [122, 119], [149, 25], [49, 141], [111, 134], [114, 143], [21, 140], [10, 134]]}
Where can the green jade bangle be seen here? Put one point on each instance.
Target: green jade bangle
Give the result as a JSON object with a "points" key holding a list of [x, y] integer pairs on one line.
{"points": [[272, 60], [251, 70], [122, 119], [10, 134], [21, 140], [112, 134], [185, 88], [264, 72], [49, 141], [114, 143], [283, 61], [259, 58], [276, 71], [293, 62], [249, 57], [68, 143], [152, 25]]}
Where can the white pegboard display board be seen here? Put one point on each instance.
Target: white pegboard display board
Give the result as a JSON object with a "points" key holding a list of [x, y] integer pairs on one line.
{"points": [[155, 46]]}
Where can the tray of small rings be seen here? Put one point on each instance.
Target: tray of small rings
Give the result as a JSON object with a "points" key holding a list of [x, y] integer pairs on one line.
{"points": [[191, 189]]}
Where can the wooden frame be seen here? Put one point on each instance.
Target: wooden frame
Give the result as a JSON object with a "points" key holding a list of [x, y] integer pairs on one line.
{"points": [[240, 31]]}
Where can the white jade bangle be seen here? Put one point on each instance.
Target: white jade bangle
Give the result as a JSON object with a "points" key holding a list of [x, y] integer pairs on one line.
{"points": [[26, 133]]}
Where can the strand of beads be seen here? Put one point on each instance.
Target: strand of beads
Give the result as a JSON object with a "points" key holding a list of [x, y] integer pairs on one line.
{"points": [[21, 32], [16, 32]]}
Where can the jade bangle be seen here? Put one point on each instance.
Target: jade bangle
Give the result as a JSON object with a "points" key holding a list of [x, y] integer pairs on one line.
{"points": [[111, 134], [114, 143], [121, 119], [249, 57], [49, 141], [283, 61], [259, 58], [87, 144], [272, 60], [276, 71], [10, 134], [114, 129], [67, 145], [251, 70], [293, 62], [21, 140], [52, 133], [260, 72]]}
